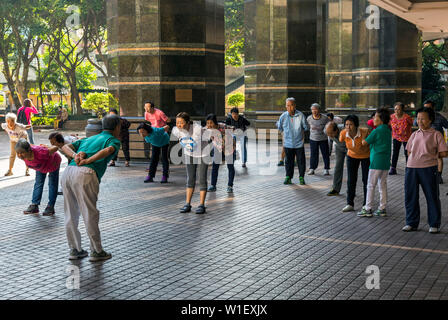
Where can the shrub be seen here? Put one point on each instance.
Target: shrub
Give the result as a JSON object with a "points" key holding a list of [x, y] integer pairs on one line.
{"points": [[99, 103], [235, 100]]}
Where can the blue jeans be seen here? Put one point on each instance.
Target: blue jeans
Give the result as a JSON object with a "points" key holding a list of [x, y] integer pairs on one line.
{"points": [[314, 146], [427, 178], [53, 180], [30, 135], [243, 144]]}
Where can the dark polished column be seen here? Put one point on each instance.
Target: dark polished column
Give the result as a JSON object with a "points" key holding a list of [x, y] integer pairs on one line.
{"points": [[284, 57], [170, 52], [369, 68]]}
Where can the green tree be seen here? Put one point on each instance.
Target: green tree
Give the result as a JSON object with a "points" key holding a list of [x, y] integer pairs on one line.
{"points": [[100, 102], [434, 56], [234, 32], [236, 99]]}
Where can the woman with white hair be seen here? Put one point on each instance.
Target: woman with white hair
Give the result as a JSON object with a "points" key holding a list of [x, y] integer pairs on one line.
{"points": [[15, 132]]}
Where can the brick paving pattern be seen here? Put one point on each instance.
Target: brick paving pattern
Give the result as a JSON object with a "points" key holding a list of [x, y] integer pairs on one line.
{"points": [[266, 241]]}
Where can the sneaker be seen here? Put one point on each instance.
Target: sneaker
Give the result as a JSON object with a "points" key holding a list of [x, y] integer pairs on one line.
{"points": [[27, 172], [49, 211], [126, 163], [408, 228], [365, 213], [311, 172], [200, 209], [185, 208], [434, 230], [244, 165], [281, 163], [348, 208], [326, 172], [148, 179], [380, 213], [8, 173], [75, 254], [33, 208], [229, 189], [103, 255], [211, 189], [333, 193], [60, 193], [112, 163], [287, 180], [302, 181], [164, 179], [392, 171]]}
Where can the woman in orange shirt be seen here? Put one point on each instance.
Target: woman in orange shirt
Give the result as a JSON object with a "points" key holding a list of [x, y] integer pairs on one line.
{"points": [[357, 154]]}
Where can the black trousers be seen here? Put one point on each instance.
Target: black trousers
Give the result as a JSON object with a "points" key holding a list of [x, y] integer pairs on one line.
{"points": [[396, 150], [125, 148], [352, 178], [290, 155], [155, 160]]}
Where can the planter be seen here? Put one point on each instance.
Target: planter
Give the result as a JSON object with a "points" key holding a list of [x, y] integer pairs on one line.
{"points": [[94, 126]]}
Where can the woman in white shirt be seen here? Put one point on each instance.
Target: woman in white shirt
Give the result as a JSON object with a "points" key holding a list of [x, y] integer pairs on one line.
{"points": [[15, 132]]}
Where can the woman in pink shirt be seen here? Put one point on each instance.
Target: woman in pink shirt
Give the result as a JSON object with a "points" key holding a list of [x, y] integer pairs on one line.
{"points": [[44, 161], [157, 118], [425, 147], [401, 125], [28, 108]]}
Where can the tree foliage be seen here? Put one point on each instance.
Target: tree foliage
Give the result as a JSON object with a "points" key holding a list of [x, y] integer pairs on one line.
{"points": [[236, 99], [434, 57], [234, 31], [100, 102]]}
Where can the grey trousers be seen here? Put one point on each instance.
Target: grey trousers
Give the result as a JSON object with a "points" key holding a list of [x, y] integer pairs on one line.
{"points": [[191, 174], [338, 169]]}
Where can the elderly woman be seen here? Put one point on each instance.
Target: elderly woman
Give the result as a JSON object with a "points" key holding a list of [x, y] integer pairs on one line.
{"points": [[401, 125], [318, 139], [43, 161], [357, 154], [15, 132]]}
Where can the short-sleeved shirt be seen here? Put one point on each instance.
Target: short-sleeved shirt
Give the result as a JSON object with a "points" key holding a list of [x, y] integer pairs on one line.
{"points": [[317, 127], [19, 132], [158, 118], [192, 141], [355, 149], [424, 147], [158, 137], [380, 143], [43, 161], [401, 128], [93, 145]]}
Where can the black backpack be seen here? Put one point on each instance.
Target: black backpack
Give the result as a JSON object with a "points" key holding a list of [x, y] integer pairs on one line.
{"points": [[21, 117]]}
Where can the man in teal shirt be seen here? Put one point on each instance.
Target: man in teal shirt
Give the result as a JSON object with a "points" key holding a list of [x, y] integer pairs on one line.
{"points": [[380, 142], [80, 184]]}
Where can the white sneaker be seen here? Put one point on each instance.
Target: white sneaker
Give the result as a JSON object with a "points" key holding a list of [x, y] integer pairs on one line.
{"points": [[433, 230], [311, 172], [408, 228], [326, 172], [348, 208]]}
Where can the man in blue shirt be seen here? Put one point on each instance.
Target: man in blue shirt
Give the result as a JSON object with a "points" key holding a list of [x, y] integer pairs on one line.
{"points": [[80, 185], [293, 125]]}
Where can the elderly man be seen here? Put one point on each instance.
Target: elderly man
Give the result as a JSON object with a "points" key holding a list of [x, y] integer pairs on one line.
{"points": [[293, 124], [318, 139], [333, 131], [80, 184], [43, 161]]}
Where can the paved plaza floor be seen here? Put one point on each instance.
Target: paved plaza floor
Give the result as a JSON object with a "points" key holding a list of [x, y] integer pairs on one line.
{"points": [[265, 241]]}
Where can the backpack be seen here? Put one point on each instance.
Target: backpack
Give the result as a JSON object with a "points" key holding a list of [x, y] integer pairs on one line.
{"points": [[21, 117]]}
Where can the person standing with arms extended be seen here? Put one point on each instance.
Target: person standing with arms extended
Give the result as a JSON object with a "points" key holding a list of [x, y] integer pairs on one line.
{"points": [[318, 139], [401, 124], [15, 132], [238, 121], [293, 125], [24, 117]]}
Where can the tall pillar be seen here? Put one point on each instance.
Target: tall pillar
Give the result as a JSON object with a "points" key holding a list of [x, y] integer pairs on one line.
{"points": [[170, 52], [367, 67], [284, 57]]}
